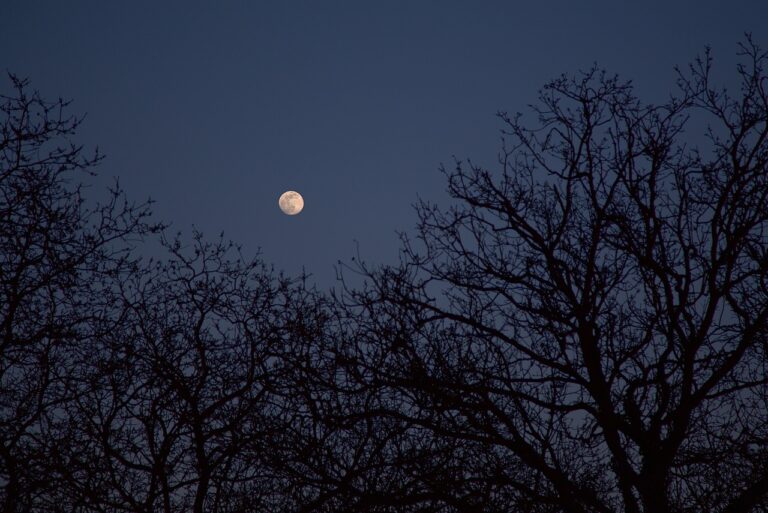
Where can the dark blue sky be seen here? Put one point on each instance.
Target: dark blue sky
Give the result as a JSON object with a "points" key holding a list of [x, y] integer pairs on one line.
{"points": [[215, 108]]}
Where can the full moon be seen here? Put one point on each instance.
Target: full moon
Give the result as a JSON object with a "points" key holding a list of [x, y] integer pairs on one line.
{"points": [[291, 203]]}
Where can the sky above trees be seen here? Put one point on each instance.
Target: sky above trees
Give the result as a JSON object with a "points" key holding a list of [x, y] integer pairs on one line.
{"points": [[214, 111]]}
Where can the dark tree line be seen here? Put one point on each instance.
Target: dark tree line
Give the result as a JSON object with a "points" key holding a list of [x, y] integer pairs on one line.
{"points": [[585, 329]]}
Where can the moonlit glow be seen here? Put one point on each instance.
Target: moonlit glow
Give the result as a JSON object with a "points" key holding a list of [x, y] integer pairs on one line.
{"points": [[291, 203]]}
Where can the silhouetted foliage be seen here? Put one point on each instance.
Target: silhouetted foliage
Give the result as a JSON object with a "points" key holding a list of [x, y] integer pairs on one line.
{"points": [[585, 330], [182, 404], [56, 255], [129, 384]]}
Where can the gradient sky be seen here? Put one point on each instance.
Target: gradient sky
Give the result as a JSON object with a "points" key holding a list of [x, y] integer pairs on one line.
{"points": [[215, 108]]}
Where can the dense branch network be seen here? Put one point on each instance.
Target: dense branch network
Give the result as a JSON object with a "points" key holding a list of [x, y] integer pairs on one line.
{"points": [[584, 329]]}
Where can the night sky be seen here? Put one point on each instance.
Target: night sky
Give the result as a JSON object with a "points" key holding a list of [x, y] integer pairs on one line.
{"points": [[214, 109]]}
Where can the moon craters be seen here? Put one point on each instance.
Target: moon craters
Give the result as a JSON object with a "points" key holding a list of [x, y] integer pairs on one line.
{"points": [[291, 203]]}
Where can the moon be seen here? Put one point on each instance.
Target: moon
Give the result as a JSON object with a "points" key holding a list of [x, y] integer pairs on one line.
{"points": [[291, 202]]}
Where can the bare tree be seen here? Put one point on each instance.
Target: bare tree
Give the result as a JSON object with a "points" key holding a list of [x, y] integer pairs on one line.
{"points": [[133, 385], [184, 401], [588, 323], [56, 253], [333, 456], [585, 330]]}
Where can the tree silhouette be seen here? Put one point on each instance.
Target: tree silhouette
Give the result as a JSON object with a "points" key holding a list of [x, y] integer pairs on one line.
{"points": [[586, 326], [583, 330], [182, 404], [129, 384], [56, 255]]}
